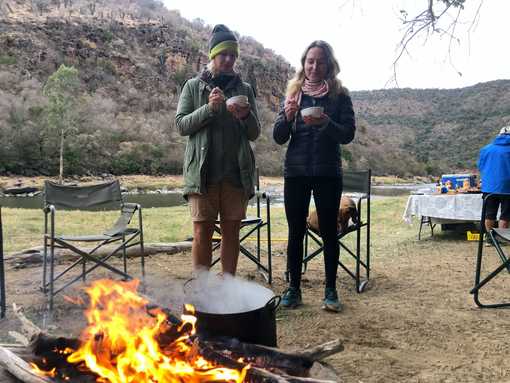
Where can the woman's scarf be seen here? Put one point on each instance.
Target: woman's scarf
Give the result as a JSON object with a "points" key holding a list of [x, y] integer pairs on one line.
{"points": [[312, 89]]}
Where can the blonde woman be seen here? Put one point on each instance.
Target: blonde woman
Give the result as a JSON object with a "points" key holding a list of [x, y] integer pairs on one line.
{"points": [[219, 166], [312, 162]]}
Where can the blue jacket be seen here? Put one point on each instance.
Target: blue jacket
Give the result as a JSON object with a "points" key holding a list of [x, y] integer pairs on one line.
{"points": [[494, 165], [315, 150]]}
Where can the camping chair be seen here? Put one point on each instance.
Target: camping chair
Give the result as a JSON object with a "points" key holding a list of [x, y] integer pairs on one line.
{"points": [[250, 225], [2, 271], [496, 236], [355, 182], [86, 198]]}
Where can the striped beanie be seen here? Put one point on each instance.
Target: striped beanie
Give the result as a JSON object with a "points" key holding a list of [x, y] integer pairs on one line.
{"points": [[222, 39]]}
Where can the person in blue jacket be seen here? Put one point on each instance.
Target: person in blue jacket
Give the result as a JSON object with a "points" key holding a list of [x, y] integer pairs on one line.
{"points": [[494, 166], [313, 162]]}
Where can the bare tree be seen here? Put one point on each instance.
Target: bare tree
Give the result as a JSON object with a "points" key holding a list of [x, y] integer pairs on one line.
{"points": [[92, 7], [431, 20], [426, 24]]}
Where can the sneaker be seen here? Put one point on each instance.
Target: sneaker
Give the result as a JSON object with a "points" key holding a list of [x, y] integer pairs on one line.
{"points": [[331, 301], [292, 298]]}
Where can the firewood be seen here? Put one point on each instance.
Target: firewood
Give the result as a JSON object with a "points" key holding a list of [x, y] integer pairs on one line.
{"points": [[33, 256], [285, 378], [265, 357], [19, 368], [254, 374], [28, 328], [323, 350]]}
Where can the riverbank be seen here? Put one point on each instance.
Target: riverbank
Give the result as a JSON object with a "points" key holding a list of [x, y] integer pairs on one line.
{"points": [[143, 183]]}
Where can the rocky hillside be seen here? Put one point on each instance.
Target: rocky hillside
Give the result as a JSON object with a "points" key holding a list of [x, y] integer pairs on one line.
{"points": [[133, 57], [428, 131], [131, 69]]}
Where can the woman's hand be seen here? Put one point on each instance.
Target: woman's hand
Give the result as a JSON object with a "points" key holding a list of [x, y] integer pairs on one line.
{"points": [[322, 120], [291, 108], [216, 98], [239, 111]]}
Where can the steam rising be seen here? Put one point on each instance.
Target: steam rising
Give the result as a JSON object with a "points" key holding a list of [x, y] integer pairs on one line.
{"points": [[225, 294]]}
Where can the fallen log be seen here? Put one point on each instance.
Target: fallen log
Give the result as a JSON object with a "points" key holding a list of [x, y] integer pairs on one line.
{"points": [[20, 190], [34, 256]]}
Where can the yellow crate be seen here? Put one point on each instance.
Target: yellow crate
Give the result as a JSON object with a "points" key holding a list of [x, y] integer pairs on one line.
{"points": [[472, 236]]}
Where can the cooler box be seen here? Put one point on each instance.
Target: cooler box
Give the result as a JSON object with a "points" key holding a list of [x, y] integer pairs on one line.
{"points": [[457, 180]]}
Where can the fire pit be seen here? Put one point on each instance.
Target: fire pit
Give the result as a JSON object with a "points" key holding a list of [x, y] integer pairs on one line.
{"points": [[128, 340]]}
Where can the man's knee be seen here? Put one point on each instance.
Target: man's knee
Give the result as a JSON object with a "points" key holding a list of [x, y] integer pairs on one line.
{"points": [[202, 231]]}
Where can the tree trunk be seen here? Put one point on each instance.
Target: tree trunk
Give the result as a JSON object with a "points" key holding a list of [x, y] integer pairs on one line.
{"points": [[61, 167]]}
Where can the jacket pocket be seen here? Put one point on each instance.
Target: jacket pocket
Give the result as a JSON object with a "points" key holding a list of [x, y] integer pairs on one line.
{"points": [[190, 156]]}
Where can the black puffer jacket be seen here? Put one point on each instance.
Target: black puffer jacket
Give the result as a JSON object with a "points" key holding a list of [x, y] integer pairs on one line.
{"points": [[315, 150]]}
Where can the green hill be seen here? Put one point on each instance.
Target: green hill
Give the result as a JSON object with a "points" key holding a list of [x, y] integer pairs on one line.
{"points": [[133, 57]]}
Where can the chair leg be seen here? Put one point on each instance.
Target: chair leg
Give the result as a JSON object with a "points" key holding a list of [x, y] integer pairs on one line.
{"points": [[142, 249], [269, 255], [358, 255], [45, 264], [52, 271], [124, 255], [480, 283]]}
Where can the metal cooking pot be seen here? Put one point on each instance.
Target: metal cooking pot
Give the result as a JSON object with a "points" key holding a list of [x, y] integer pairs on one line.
{"points": [[255, 326]]}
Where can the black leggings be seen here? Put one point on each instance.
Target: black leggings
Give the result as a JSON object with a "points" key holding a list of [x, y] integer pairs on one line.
{"points": [[326, 194]]}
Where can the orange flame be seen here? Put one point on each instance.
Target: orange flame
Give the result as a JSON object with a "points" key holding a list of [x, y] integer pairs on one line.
{"points": [[120, 342]]}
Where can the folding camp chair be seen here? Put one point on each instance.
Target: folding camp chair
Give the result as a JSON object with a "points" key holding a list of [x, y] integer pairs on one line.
{"points": [[87, 198], [250, 225], [496, 236], [353, 182], [2, 271]]}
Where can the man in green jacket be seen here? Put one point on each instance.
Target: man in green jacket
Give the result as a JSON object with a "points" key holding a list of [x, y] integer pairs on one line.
{"points": [[219, 165]]}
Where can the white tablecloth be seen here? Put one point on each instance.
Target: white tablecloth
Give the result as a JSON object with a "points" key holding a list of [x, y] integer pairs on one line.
{"points": [[455, 207]]}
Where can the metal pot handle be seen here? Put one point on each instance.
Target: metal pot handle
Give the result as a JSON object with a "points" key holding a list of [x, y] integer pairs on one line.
{"points": [[274, 302], [186, 285]]}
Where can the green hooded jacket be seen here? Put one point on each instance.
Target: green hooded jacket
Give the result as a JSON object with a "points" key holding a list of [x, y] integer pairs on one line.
{"points": [[194, 119]]}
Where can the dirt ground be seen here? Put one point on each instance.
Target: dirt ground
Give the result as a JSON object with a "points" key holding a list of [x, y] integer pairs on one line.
{"points": [[416, 323]]}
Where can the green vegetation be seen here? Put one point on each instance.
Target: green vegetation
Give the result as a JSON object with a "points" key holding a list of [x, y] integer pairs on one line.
{"points": [[61, 112], [23, 227], [7, 60]]}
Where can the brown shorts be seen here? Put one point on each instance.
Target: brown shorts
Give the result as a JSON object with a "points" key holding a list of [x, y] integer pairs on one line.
{"points": [[228, 201]]}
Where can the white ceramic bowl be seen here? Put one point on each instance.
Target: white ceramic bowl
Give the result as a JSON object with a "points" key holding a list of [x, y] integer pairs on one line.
{"points": [[314, 111], [238, 100]]}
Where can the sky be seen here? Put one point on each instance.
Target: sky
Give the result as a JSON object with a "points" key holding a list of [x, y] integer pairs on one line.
{"points": [[365, 35]]}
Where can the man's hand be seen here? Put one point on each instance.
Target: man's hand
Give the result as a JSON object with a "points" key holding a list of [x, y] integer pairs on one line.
{"points": [[216, 98], [239, 111]]}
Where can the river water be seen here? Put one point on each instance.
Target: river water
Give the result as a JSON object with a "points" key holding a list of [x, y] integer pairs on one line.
{"points": [[150, 200]]}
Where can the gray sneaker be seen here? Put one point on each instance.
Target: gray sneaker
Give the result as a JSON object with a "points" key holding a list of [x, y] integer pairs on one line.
{"points": [[331, 301]]}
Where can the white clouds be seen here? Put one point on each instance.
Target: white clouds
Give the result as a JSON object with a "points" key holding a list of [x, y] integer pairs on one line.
{"points": [[364, 34]]}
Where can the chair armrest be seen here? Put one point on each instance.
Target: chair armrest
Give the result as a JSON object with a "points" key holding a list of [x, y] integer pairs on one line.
{"points": [[49, 209], [262, 194], [131, 205]]}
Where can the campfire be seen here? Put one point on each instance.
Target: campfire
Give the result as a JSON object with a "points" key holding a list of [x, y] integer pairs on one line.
{"points": [[129, 340], [126, 342]]}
